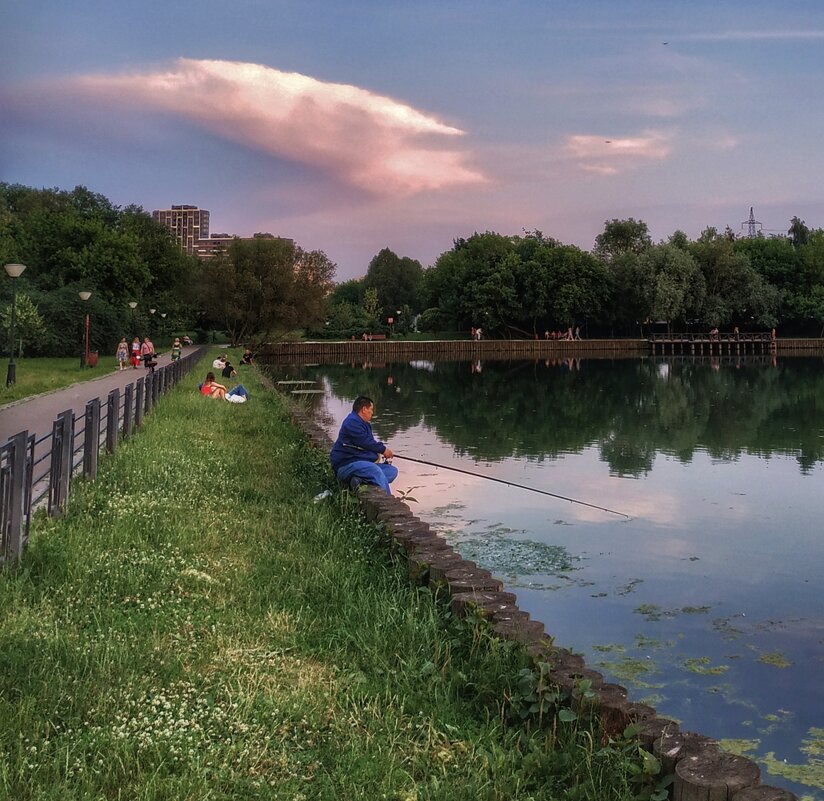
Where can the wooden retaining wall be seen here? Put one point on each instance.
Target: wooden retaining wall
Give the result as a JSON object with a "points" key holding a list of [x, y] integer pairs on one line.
{"points": [[468, 350], [449, 350]]}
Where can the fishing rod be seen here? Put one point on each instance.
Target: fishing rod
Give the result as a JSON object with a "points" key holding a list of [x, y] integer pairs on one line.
{"points": [[512, 484]]}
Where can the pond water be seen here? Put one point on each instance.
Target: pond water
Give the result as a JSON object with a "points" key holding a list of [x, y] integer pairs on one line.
{"points": [[706, 603]]}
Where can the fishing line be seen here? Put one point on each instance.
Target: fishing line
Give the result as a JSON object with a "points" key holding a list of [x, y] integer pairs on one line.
{"points": [[512, 484]]}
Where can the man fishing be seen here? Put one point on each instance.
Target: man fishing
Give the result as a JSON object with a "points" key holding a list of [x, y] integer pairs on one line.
{"points": [[357, 457]]}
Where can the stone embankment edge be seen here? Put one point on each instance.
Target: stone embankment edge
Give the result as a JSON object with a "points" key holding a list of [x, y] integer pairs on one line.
{"points": [[703, 772]]}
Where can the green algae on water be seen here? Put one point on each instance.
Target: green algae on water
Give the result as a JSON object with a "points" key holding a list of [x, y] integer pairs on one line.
{"points": [[776, 659], [701, 666], [518, 557]]}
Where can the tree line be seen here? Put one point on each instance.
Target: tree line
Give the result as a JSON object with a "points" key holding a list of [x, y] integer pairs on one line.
{"points": [[72, 241], [525, 285], [264, 287]]}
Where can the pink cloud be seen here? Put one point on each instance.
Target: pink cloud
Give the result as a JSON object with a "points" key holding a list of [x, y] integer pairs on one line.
{"points": [[608, 156], [370, 141]]}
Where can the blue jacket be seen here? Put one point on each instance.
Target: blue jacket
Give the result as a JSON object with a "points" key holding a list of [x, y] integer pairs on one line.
{"points": [[355, 443]]}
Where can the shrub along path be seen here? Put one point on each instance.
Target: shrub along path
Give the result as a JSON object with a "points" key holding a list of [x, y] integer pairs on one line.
{"points": [[197, 628]]}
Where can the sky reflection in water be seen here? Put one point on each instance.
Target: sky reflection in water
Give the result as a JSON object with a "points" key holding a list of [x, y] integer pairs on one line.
{"points": [[708, 602]]}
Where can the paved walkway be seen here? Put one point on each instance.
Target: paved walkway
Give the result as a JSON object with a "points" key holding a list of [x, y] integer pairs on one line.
{"points": [[37, 414]]}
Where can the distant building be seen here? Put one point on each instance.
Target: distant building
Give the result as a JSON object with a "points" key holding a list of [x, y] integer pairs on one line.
{"points": [[190, 227], [188, 224], [219, 243]]}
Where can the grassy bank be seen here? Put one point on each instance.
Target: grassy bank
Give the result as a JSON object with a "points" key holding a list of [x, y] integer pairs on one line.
{"points": [[34, 376], [197, 628]]}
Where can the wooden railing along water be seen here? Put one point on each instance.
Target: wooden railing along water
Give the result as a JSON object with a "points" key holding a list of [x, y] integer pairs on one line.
{"points": [[448, 350], [698, 345]]}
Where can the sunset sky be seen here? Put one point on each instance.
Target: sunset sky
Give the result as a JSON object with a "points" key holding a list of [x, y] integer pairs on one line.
{"points": [[356, 126]]}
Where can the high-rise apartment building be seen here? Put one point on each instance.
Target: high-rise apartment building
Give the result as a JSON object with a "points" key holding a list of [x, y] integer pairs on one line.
{"points": [[189, 224]]}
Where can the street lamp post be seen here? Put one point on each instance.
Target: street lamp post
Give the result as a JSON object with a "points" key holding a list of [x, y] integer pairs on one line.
{"points": [[132, 304], [151, 322], [84, 356], [14, 271]]}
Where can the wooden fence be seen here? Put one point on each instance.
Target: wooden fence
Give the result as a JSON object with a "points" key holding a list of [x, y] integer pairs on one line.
{"points": [[376, 352], [449, 350]]}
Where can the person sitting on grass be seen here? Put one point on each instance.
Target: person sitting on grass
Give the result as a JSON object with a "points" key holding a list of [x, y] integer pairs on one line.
{"points": [[228, 370], [211, 389], [357, 457]]}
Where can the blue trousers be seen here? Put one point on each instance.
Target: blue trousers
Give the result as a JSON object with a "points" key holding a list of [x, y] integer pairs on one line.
{"points": [[381, 475], [238, 390]]}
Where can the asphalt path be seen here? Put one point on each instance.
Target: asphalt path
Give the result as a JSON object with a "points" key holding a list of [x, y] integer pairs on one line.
{"points": [[38, 413]]}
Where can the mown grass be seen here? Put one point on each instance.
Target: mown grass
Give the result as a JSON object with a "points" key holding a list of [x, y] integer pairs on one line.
{"points": [[197, 628], [33, 376]]}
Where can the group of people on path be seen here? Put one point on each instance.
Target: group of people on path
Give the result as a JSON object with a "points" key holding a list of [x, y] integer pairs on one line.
{"points": [[144, 352], [569, 334]]}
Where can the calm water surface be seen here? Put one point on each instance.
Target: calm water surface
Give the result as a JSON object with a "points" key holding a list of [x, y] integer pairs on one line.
{"points": [[708, 603]]}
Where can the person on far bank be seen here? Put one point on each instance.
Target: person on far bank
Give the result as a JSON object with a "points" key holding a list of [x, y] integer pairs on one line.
{"points": [[357, 457]]}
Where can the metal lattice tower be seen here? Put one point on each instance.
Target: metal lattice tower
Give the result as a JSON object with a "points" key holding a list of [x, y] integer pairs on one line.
{"points": [[752, 231]]}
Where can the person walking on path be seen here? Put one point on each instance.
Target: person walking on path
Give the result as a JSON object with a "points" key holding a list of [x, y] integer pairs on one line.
{"points": [[135, 352], [357, 457], [147, 353], [122, 353]]}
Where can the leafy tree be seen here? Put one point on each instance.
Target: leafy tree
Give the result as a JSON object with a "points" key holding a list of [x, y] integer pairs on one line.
{"points": [[677, 288], [620, 247], [397, 281], [350, 292], [371, 308], [79, 239], [620, 238], [799, 233], [807, 300], [580, 285], [733, 289], [29, 326], [265, 287]]}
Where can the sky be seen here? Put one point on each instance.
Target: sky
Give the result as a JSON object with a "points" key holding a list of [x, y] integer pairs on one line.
{"points": [[354, 126]]}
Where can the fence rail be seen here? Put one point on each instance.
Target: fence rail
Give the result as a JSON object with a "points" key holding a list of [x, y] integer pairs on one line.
{"points": [[695, 344], [385, 351], [37, 471], [448, 350]]}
